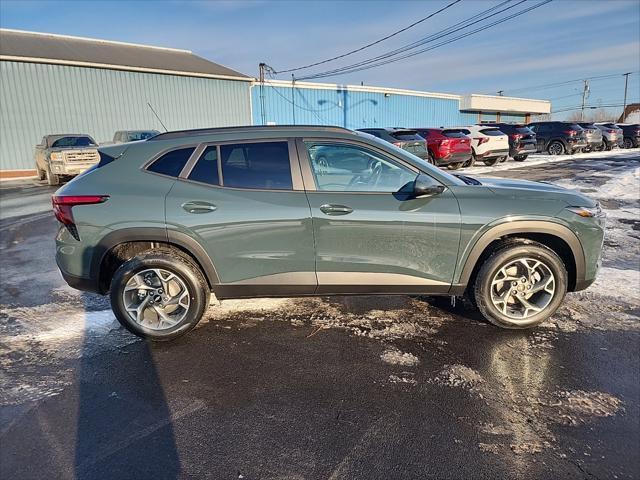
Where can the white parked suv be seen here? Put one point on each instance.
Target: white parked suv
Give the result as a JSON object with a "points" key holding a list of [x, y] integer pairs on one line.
{"points": [[489, 144]]}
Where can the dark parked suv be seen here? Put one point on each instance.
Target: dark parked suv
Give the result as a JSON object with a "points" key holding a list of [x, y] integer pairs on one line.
{"points": [[251, 212], [631, 133], [559, 138], [404, 138], [522, 140]]}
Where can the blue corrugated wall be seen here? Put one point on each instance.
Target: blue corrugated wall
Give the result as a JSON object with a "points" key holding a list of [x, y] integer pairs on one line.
{"points": [[39, 99], [351, 109]]}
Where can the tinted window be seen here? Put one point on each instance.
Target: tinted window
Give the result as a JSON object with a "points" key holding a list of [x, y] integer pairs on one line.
{"points": [[349, 168], [256, 165], [135, 136], [206, 169], [492, 132], [523, 130], [73, 142], [406, 136], [453, 134], [172, 163]]}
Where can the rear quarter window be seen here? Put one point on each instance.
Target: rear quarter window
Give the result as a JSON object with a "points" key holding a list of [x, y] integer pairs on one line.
{"points": [[171, 163]]}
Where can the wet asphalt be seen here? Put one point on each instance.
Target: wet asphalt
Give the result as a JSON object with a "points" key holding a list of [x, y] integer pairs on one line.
{"points": [[301, 390]]}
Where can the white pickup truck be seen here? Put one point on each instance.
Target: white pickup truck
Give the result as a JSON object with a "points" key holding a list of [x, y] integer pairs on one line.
{"points": [[65, 155]]}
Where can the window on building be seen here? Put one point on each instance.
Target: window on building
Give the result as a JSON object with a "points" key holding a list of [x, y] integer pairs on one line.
{"points": [[171, 163], [263, 165]]}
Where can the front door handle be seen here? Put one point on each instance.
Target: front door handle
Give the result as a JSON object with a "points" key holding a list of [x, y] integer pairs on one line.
{"points": [[335, 209], [199, 207]]}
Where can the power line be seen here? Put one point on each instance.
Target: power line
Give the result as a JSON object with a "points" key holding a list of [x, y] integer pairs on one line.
{"points": [[435, 36], [372, 43], [566, 82], [352, 69]]}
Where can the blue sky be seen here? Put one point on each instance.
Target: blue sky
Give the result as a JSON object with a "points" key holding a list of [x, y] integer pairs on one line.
{"points": [[563, 40]]}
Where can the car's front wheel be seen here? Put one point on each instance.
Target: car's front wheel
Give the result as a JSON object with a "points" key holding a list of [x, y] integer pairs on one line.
{"points": [[159, 295], [455, 166], [520, 158], [491, 161], [52, 178], [520, 285]]}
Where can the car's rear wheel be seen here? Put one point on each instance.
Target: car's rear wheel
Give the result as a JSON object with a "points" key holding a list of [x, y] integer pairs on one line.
{"points": [[628, 143], [52, 178], [471, 162], [520, 285], [431, 159], [159, 295], [555, 148], [520, 158], [455, 166], [41, 173], [491, 161]]}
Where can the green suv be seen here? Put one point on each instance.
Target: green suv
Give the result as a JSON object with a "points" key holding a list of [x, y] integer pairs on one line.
{"points": [[260, 212]]}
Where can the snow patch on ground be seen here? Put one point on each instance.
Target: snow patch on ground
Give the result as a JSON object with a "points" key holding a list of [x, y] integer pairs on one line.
{"points": [[396, 357], [402, 379], [458, 376], [577, 406]]}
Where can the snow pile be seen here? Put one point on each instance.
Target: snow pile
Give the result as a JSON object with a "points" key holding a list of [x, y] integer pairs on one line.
{"points": [[458, 376], [577, 406], [396, 357]]}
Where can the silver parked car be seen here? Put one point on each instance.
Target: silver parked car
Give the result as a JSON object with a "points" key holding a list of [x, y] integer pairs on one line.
{"points": [[612, 135], [594, 136]]}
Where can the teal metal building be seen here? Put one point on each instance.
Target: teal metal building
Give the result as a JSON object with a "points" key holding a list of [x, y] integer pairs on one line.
{"points": [[56, 84]]}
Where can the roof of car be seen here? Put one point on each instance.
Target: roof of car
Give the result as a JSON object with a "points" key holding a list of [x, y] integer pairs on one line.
{"points": [[267, 129]]}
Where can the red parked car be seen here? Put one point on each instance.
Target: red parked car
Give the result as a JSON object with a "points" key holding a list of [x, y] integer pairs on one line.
{"points": [[448, 147]]}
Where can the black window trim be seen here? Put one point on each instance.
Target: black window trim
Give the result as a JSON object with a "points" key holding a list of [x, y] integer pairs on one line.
{"points": [[294, 164]]}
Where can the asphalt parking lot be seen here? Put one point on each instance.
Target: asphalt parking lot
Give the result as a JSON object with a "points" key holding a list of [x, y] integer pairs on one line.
{"points": [[341, 388]]}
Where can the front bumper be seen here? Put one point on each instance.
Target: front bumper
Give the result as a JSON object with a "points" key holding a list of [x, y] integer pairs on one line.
{"points": [[61, 168]]}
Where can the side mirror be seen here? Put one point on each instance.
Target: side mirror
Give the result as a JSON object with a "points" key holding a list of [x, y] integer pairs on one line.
{"points": [[424, 186]]}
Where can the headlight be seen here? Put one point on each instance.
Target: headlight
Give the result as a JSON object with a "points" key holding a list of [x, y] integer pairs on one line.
{"points": [[587, 212], [56, 157]]}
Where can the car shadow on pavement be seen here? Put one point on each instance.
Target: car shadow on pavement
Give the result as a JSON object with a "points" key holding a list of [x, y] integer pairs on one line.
{"points": [[124, 422]]}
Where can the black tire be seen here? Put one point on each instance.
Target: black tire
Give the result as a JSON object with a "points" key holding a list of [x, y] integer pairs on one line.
{"points": [[509, 252], [556, 148], [607, 146], [600, 147], [455, 166], [431, 159], [471, 162], [41, 173], [52, 178], [504, 159], [628, 143], [520, 158], [490, 162], [176, 263]]}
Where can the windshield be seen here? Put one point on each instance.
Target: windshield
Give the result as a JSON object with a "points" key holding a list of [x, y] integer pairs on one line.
{"points": [[409, 157], [73, 142], [135, 136]]}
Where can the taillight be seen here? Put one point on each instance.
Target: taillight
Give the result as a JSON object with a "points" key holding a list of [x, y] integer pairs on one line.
{"points": [[516, 136], [571, 133], [611, 130], [62, 205], [481, 140], [444, 142]]}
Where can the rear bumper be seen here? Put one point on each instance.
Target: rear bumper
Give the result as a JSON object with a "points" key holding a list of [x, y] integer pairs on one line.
{"points": [[493, 154], [521, 148], [79, 283], [453, 158]]}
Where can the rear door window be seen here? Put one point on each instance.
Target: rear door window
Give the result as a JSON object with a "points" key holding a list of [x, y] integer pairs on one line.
{"points": [[171, 163], [206, 168], [263, 165]]}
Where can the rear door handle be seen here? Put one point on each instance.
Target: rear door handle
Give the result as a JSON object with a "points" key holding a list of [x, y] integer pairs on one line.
{"points": [[335, 209], [199, 207]]}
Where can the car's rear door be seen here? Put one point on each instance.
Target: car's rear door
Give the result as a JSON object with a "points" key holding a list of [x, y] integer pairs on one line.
{"points": [[369, 236], [246, 206]]}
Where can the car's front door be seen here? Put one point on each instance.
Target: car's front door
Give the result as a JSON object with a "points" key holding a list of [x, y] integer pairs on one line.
{"points": [[247, 208], [370, 236]]}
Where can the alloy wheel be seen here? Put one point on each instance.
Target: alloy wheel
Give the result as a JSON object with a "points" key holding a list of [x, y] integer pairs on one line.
{"points": [[522, 288], [556, 148], [156, 299]]}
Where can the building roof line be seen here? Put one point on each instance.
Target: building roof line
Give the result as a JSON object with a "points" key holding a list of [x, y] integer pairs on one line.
{"points": [[94, 40], [126, 68]]}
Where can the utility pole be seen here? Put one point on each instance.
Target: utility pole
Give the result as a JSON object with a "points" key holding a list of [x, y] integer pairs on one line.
{"points": [[293, 97], [626, 82], [261, 78], [585, 92]]}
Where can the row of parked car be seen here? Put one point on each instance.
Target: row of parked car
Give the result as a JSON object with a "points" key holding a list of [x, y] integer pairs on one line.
{"points": [[452, 147], [69, 154], [456, 147]]}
